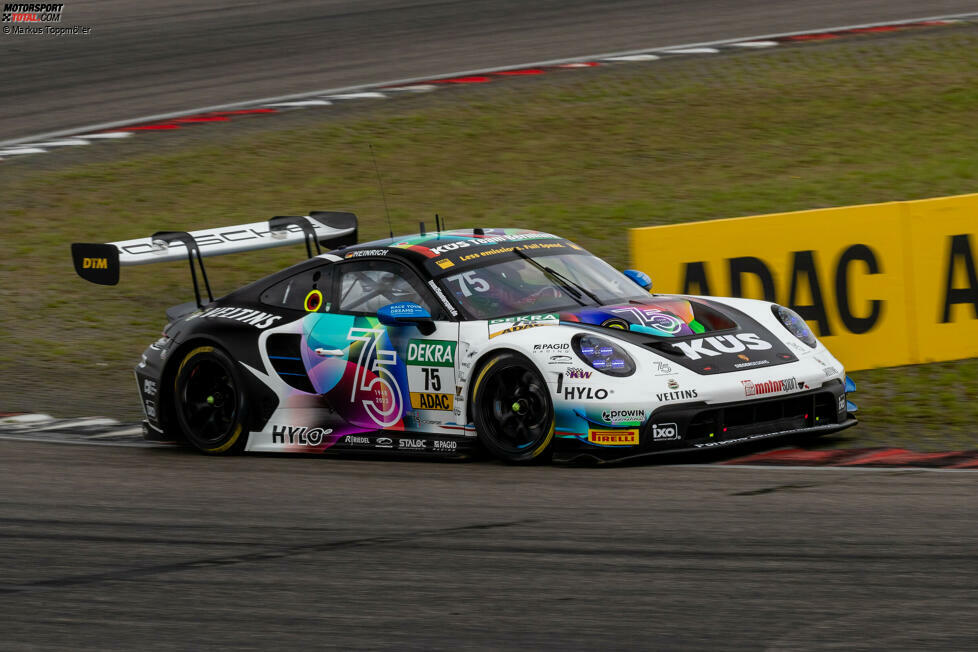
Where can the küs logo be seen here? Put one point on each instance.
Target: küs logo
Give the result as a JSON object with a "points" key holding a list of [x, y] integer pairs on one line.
{"points": [[720, 344]]}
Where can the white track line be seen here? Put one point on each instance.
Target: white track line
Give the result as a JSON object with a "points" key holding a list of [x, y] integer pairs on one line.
{"points": [[301, 103], [22, 150], [635, 57], [84, 442], [66, 424], [692, 51], [122, 432], [754, 44], [106, 126]]}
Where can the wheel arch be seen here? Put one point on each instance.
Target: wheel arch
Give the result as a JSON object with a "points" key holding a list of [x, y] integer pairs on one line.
{"points": [[170, 369], [477, 368]]}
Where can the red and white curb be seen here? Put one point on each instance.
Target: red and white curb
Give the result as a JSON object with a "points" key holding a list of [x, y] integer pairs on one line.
{"points": [[44, 143]]}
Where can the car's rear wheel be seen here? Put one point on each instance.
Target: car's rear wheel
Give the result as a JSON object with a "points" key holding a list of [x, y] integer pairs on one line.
{"points": [[513, 413], [209, 401]]}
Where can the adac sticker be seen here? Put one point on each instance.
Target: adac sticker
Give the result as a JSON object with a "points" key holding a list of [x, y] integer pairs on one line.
{"points": [[512, 324]]}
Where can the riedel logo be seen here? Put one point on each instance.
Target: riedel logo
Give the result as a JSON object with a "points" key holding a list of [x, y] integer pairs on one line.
{"points": [[720, 344]]}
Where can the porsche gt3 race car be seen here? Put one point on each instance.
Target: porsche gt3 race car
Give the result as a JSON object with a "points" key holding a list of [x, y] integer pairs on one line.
{"points": [[511, 341]]}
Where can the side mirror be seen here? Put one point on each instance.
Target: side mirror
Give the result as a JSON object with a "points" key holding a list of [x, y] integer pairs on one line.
{"points": [[405, 313], [641, 279]]}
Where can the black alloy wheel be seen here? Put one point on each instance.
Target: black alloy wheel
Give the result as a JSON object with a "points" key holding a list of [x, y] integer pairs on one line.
{"points": [[209, 402], [514, 414]]}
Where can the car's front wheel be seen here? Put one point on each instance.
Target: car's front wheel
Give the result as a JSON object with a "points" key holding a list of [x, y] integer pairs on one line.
{"points": [[209, 401], [513, 412]]}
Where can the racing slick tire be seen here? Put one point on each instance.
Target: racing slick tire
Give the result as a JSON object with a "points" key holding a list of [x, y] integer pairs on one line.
{"points": [[209, 401], [513, 411]]}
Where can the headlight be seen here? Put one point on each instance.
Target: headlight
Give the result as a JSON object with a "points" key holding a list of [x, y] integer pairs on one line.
{"points": [[603, 355], [795, 325]]}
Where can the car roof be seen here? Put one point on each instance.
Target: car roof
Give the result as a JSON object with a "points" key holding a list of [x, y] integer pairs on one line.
{"points": [[423, 243]]}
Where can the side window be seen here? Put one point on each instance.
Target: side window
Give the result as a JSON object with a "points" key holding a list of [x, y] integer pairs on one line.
{"points": [[368, 286], [307, 291]]}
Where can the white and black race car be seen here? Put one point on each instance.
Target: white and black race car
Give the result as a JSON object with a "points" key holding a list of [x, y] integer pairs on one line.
{"points": [[513, 341]]}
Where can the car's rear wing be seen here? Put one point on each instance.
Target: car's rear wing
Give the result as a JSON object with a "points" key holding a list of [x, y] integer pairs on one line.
{"points": [[100, 262]]}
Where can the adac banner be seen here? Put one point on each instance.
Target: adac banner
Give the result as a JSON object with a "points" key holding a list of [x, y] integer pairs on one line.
{"points": [[880, 284]]}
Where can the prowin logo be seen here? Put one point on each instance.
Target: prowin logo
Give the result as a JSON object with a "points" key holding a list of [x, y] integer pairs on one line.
{"points": [[623, 416], [720, 344]]}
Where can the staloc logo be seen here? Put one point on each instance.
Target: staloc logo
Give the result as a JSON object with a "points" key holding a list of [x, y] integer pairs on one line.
{"points": [[720, 344]]}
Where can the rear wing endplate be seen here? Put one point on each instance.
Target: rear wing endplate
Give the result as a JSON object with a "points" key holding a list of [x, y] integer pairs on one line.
{"points": [[100, 263]]}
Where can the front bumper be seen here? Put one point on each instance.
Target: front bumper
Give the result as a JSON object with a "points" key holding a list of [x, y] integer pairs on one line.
{"points": [[701, 426]]}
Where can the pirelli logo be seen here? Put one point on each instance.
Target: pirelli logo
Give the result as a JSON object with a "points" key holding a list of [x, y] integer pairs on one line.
{"points": [[95, 263], [424, 401], [613, 437]]}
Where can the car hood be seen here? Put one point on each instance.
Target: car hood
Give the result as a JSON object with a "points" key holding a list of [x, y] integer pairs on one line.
{"points": [[702, 335]]}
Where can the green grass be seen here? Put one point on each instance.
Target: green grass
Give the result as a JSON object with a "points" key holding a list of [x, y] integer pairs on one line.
{"points": [[586, 154]]}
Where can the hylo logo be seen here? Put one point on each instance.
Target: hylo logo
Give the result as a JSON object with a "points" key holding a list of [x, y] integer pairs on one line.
{"points": [[585, 393], [299, 435]]}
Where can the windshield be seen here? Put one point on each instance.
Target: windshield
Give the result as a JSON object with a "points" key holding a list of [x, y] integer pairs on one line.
{"points": [[518, 286]]}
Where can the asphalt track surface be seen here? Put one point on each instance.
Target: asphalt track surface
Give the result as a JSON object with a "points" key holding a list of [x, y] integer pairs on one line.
{"points": [[164, 549], [146, 58], [133, 548]]}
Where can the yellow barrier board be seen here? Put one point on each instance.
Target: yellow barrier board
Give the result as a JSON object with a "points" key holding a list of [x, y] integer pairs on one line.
{"points": [[880, 284], [942, 240]]}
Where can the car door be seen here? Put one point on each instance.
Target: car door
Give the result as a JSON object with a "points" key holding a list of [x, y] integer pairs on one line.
{"points": [[380, 376]]}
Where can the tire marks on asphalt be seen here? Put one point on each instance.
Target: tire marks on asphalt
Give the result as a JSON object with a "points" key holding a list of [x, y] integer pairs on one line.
{"points": [[250, 558]]}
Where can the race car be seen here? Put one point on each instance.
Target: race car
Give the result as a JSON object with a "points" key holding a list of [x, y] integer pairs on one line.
{"points": [[509, 341]]}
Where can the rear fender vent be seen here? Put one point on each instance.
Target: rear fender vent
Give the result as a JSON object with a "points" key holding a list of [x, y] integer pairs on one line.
{"points": [[285, 354]]}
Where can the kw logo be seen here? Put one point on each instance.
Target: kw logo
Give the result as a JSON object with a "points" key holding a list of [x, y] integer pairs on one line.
{"points": [[95, 263], [576, 372]]}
